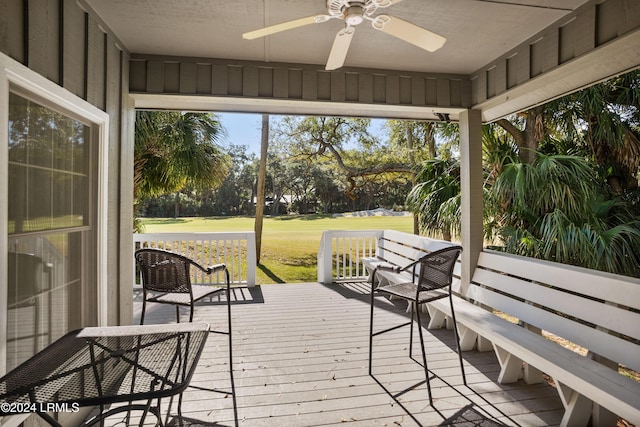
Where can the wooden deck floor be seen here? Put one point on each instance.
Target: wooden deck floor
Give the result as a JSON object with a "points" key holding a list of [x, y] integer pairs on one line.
{"points": [[301, 359]]}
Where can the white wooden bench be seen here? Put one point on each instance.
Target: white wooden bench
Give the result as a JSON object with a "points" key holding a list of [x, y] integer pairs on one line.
{"points": [[597, 311], [400, 249]]}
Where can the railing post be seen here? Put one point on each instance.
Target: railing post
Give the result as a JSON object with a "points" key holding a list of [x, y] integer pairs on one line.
{"points": [[325, 258], [251, 259]]}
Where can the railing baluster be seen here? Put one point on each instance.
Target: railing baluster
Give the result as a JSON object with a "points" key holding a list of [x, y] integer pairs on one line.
{"points": [[336, 246], [208, 249], [358, 240], [232, 258]]}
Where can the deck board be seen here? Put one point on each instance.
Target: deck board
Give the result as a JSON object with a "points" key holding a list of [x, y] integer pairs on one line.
{"points": [[301, 359]]}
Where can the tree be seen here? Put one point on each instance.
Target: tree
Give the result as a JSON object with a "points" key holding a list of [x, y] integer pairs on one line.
{"points": [[435, 200], [555, 209], [262, 177], [417, 141], [372, 171], [528, 130], [601, 121], [234, 196], [278, 180], [175, 149], [330, 137], [604, 121]]}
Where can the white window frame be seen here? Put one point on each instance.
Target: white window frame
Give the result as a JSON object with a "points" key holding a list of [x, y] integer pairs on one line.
{"points": [[14, 74]]}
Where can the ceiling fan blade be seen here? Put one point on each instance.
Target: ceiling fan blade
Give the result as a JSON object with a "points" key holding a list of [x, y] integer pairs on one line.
{"points": [[284, 26], [409, 32], [340, 48]]}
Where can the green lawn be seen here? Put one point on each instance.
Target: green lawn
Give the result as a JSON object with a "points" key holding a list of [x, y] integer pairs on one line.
{"points": [[289, 243]]}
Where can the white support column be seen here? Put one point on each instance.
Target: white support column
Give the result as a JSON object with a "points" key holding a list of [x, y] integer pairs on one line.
{"points": [[325, 258], [252, 260], [127, 268], [471, 187]]}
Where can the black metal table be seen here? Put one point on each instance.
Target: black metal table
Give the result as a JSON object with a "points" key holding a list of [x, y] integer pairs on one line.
{"points": [[104, 365]]}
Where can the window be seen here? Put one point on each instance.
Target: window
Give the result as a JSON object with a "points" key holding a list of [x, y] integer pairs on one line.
{"points": [[51, 212]]}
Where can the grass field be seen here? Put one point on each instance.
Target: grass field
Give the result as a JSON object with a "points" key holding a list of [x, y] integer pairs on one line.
{"points": [[289, 243]]}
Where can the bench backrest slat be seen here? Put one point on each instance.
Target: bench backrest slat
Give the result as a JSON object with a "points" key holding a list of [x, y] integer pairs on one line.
{"points": [[598, 284], [403, 248], [399, 254], [600, 342], [595, 310], [591, 311]]}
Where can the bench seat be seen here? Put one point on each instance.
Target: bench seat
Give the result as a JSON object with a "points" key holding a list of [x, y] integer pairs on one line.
{"points": [[513, 344], [597, 311]]}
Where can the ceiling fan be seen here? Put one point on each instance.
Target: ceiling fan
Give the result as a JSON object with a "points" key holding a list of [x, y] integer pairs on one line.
{"points": [[353, 13]]}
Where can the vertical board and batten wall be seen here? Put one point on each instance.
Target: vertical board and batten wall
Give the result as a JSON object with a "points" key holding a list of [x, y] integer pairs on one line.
{"points": [[201, 76], [64, 41], [567, 44]]}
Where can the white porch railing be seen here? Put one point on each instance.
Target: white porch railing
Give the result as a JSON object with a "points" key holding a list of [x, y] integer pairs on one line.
{"points": [[235, 249], [341, 251]]}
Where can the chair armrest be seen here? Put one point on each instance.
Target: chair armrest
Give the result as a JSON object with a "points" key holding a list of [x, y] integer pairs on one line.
{"points": [[161, 263], [409, 266], [389, 267], [216, 267]]}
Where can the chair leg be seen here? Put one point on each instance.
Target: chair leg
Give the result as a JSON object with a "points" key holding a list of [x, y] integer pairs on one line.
{"points": [[191, 312], [177, 313], [371, 330], [411, 305], [229, 326], [455, 332], [144, 307], [424, 355], [180, 410]]}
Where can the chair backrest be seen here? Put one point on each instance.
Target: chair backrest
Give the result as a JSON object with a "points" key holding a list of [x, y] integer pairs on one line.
{"points": [[25, 276], [436, 268], [164, 271]]}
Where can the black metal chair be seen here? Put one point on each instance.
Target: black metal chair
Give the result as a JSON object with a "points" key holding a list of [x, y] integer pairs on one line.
{"points": [[433, 282], [166, 279]]}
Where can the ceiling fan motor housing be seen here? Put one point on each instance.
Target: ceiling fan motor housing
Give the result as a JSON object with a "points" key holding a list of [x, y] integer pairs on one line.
{"points": [[352, 11]]}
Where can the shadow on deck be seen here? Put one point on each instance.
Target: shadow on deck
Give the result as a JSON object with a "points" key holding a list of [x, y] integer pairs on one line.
{"points": [[301, 359]]}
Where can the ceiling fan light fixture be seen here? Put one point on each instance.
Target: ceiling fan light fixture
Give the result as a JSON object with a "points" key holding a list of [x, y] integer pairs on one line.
{"points": [[354, 15]]}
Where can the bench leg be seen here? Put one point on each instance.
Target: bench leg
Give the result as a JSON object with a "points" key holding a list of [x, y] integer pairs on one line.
{"points": [[484, 344], [467, 338], [532, 375], [577, 407], [448, 322], [603, 417], [436, 318], [510, 366]]}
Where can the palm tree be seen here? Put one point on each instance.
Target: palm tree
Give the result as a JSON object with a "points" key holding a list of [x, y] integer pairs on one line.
{"points": [[175, 149], [605, 121], [435, 200], [556, 209]]}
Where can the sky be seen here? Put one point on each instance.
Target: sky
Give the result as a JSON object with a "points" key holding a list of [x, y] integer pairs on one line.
{"points": [[242, 129], [245, 129]]}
